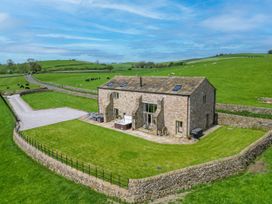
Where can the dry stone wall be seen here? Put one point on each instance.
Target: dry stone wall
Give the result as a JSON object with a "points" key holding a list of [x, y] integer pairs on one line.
{"points": [[244, 122], [235, 108], [71, 173], [164, 184]]}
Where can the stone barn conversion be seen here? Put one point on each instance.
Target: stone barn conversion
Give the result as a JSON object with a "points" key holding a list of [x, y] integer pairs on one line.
{"points": [[171, 106]]}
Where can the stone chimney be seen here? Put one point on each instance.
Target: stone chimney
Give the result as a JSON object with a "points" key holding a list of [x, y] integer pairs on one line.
{"points": [[141, 81]]}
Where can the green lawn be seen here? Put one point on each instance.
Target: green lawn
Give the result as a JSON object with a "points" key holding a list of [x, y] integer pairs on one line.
{"points": [[239, 80], [11, 83], [134, 157], [45, 100], [246, 188], [22, 180]]}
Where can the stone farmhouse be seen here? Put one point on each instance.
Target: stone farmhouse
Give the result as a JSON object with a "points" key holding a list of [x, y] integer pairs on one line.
{"points": [[171, 106]]}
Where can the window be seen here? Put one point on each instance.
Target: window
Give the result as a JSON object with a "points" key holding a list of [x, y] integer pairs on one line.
{"points": [[177, 87], [204, 99], [115, 112], [178, 127], [150, 108], [115, 95]]}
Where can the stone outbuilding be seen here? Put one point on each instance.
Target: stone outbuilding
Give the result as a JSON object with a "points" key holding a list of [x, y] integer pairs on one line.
{"points": [[160, 105]]}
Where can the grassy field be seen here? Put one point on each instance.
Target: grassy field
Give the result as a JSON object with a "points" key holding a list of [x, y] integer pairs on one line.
{"points": [[134, 157], [246, 188], [25, 181], [13, 83], [239, 80], [45, 100], [60, 65]]}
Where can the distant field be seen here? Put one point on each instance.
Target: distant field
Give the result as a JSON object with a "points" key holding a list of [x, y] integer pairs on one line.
{"points": [[239, 80], [45, 100], [134, 157], [60, 65], [14, 83]]}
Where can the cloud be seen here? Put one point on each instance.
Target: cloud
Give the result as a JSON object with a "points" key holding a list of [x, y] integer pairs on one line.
{"points": [[233, 22], [133, 9], [69, 37], [130, 31]]}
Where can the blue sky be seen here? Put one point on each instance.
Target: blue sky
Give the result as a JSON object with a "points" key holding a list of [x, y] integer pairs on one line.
{"points": [[115, 31]]}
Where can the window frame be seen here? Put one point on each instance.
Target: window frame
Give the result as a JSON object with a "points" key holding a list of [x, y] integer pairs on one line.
{"points": [[179, 126]]}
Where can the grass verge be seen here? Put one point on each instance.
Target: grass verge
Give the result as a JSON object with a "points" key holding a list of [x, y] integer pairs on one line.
{"points": [[25, 181]]}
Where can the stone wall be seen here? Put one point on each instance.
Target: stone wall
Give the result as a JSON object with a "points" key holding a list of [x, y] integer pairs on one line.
{"points": [[141, 190], [174, 106], [244, 122], [31, 91], [202, 112], [235, 108], [71, 173], [164, 184]]}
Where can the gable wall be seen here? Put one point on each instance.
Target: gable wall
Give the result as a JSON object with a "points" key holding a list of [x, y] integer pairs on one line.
{"points": [[198, 110]]}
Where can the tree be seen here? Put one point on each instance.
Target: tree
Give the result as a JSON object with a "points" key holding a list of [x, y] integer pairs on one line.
{"points": [[10, 63], [270, 52], [34, 66], [23, 68]]}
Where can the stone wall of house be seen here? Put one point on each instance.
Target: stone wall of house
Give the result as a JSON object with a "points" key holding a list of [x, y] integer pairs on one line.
{"points": [[71, 173], [175, 107], [244, 122], [235, 108], [159, 118], [168, 183], [137, 114], [201, 111]]}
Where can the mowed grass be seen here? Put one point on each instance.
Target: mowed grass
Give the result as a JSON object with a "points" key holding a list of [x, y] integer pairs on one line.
{"points": [[133, 157], [238, 80], [245, 188], [45, 100], [22, 180], [11, 83]]}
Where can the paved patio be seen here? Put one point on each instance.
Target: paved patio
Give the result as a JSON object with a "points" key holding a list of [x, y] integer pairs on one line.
{"points": [[147, 136], [30, 118]]}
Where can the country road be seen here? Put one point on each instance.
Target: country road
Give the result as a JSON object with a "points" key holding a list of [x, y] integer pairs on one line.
{"points": [[32, 80]]}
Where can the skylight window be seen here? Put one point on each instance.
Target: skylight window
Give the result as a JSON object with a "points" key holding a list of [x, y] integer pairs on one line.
{"points": [[123, 84], [109, 84], [177, 87]]}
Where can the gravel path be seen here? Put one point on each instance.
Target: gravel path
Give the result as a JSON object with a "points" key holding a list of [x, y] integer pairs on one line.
{"points": [[30, 118], [32, 80]]}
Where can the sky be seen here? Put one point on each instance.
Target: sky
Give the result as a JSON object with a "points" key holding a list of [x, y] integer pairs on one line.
{"points": [[138, 30]]}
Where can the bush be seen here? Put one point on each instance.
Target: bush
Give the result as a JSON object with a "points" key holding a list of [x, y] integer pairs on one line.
{"points": [[270, 52]]}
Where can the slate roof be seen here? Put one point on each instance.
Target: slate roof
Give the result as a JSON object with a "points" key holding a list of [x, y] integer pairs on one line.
{"points": [[163, 85]]}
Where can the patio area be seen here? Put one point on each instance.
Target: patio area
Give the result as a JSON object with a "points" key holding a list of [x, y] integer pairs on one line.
{"points": [[148, 135]]}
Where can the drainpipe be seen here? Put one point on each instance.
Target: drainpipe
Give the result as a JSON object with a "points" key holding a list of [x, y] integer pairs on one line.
{"points": [[188, 116]]}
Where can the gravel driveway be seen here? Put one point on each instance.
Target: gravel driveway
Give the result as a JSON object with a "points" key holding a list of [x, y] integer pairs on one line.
{"points": [[36, 118]]}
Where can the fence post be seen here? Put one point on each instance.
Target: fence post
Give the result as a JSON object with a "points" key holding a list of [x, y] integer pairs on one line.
{"points": [[111, 177], [103, 174], [77, 164], [66, 159], [96, 171], [89, 170], [119, 180]]}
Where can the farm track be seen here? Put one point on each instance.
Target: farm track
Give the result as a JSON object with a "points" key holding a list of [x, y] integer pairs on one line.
{"points": [[32, 80]]}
